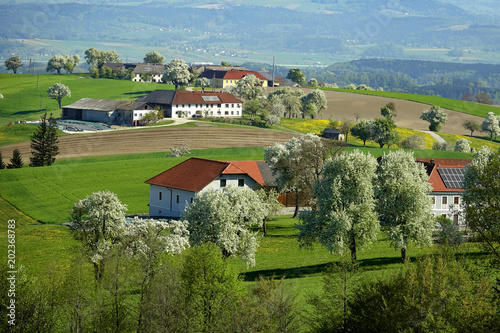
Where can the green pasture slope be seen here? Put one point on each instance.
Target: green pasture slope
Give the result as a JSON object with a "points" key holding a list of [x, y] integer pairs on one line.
{"points": [[475, 109], [25, 95], [47, 194]]}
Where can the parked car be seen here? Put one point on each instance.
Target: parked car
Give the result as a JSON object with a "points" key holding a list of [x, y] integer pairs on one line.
{"points": [[196, 115]]}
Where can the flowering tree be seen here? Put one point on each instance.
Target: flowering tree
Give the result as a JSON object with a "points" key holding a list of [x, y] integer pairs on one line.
{"points": [[225, 218], [298, 164], [177, 72], [481, 199], [435, 116], [403, 201], [491, 124], [316, 98], [250, 87], [99, 223], [58, 91], [346, 214], [462, 145]]}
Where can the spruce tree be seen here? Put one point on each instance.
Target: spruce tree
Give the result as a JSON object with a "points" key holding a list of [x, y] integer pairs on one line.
{"points": [[16, 161], [2, 164], [44, 142]]}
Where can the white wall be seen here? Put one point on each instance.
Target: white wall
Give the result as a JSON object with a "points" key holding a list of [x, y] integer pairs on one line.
{"points": [[231, 180], [172, 202], [439, 208], [226, 109]]}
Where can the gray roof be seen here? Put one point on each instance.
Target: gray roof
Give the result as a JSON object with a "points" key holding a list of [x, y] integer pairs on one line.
{"points": [[267, 174], [97, 104], [332, 130], [158, 97], [137, 68]]}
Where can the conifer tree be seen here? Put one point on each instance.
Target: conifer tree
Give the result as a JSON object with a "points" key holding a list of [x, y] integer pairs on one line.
{"points": [[2, 164], [16, 161], [44, 142]]}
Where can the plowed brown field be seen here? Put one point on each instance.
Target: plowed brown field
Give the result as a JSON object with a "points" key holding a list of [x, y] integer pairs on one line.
{"points": [[341, 106], [157, 140]]}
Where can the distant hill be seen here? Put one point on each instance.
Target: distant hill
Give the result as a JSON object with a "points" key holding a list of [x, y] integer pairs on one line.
{"points": [[300, 29]]}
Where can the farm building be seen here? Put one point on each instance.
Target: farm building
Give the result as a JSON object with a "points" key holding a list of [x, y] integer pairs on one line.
{"points": [[179, 104], [446, 176], [333, 133], [222, 79], [140, 72], [112, 112], [175, 104]]}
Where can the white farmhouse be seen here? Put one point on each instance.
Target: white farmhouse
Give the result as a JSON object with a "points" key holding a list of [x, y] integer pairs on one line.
{"points": [[173, 189], [446, 176]]}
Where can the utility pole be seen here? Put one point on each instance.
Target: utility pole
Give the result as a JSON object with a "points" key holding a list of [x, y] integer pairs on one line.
{"points": [[273, 71]]}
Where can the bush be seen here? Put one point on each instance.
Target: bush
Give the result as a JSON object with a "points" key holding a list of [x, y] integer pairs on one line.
{"points": [[178, 151], [441, 146], [463, 145], [415, 141]]}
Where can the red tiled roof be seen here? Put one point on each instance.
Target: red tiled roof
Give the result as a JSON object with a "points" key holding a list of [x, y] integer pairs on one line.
{"points": [[237, 75], [196, 173], [251, 168], [196, 97], [436, 163]]}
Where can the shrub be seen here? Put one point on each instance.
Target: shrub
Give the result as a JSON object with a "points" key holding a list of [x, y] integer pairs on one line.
{"points": [[463, 145], [415, 141], [178, 151], [441, 146]]}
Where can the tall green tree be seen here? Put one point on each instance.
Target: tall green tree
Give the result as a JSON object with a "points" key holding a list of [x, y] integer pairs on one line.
{"points": [[44, 142], [58, 91], [345, 217], [154, 58], [16, 161], [13, 63], [472, 126], [403, 201], [296, 75], [481, 199], [436, 117], [362, 131], [382, 131], [177, 72], [211, 289], [2, 163]]}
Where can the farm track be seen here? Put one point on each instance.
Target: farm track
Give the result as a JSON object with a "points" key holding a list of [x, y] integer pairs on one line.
{"points": [[157, 140]]}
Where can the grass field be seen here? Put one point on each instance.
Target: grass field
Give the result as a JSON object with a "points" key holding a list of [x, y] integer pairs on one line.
{"points": [[25, 96], [47, 194], [476, 109]]}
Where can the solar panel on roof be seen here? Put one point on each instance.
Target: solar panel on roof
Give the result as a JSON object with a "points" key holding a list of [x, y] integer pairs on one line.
{"points": [[210, 98], [452, 177]]}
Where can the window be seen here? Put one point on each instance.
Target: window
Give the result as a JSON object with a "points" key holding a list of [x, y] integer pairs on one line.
{"points": [[241, 182], [177, 199], [455, 218], [232, 105], [456, 200], [444, 200], [159, 195], [135, 114], [433, 200], [191, 200], [237, 113], [218, 113], [219, 105], [232, 113], [227, 105], [222, 183], [226, 113]]}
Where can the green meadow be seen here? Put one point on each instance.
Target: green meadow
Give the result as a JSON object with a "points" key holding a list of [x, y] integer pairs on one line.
{"points": [[47, 194], [25, 96]]}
